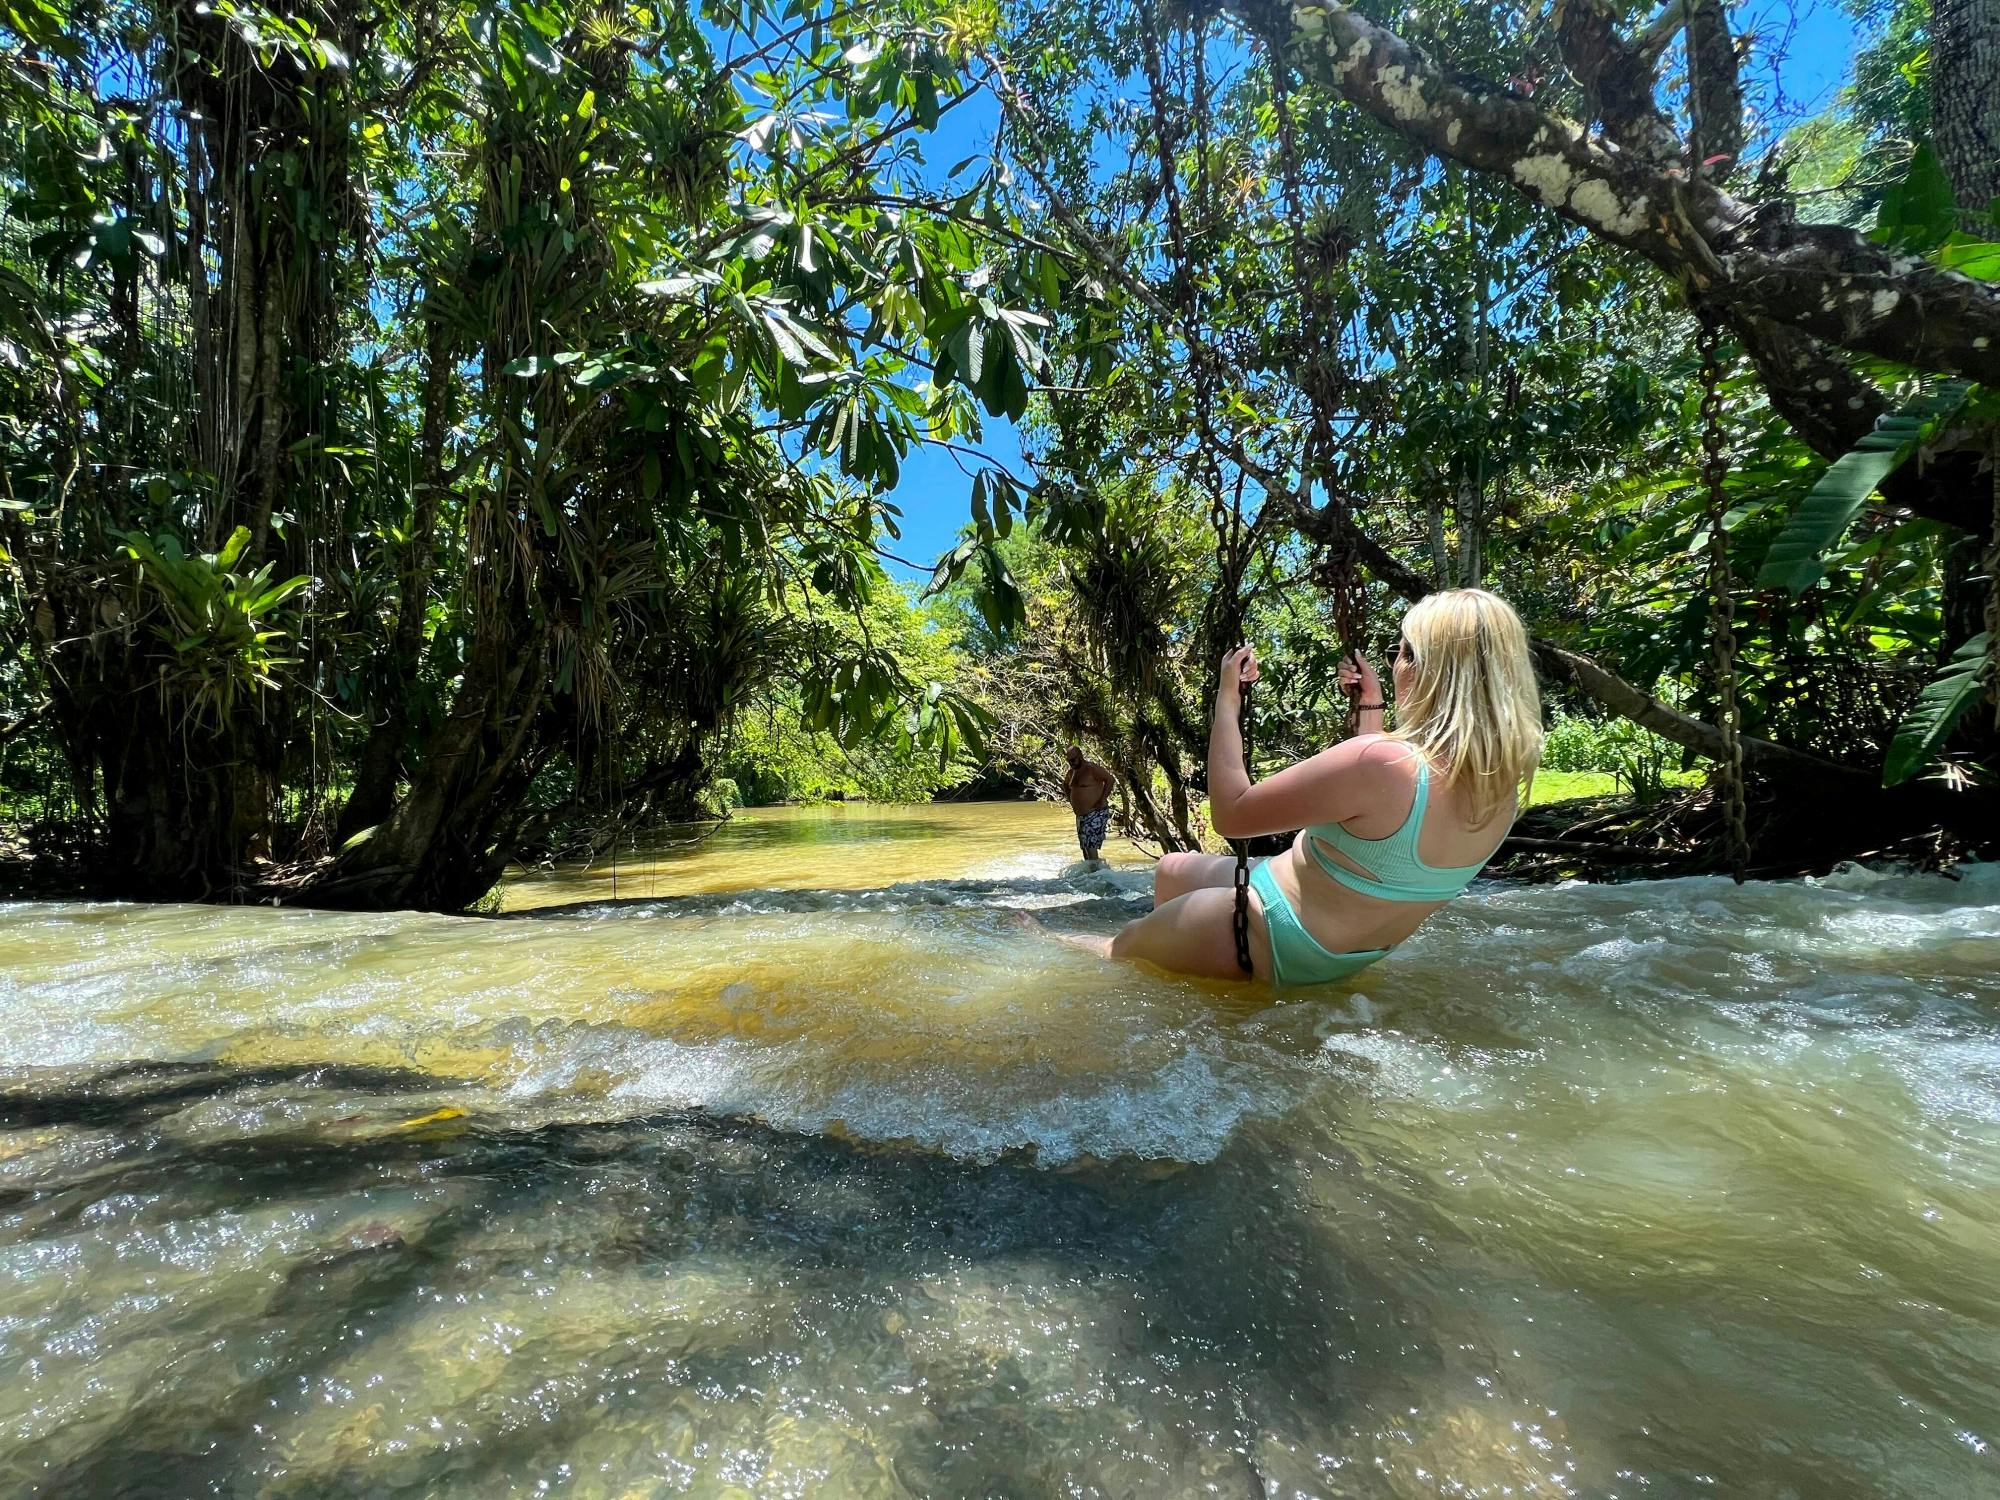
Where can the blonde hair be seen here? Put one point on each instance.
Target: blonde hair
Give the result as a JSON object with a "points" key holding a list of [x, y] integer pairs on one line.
{"points": [[1473, 711]]}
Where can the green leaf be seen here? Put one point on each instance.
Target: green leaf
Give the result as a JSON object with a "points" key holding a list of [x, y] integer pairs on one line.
{"points": [[968, 350], [232, 550], [1970, 257], [999, 600], [1793, 561], [1919, 212], [540, 53], [273, 597], [1959, 684]]}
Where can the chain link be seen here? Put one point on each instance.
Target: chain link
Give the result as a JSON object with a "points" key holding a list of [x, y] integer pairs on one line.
{"points": [[1722, 604], [1240, 921], [1993, 590], [1320, 379]]}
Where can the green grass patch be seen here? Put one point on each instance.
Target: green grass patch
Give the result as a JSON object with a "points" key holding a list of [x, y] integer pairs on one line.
{"points": [[1568, 786]]}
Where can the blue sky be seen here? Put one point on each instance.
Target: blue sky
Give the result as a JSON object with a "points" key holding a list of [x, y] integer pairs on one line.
{"points": [[1816, 39]]}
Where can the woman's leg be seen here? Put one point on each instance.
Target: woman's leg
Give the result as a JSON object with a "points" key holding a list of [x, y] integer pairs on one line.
{"points": [[1177, 874], [1195, 934]]}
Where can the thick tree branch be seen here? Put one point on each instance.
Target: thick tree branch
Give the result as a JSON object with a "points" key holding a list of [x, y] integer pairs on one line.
{"points": [[25, 722], [1560, 664], [1659, 33], [1718, 92], [1617, 81], [1822, 279], [1831, 408]]}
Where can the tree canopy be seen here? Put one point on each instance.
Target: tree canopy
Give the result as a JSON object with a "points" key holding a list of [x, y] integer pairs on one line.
{"points": [[439, 435]]}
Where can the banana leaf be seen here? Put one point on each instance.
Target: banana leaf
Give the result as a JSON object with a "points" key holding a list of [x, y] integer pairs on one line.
{"points": [[1793, 561], [1959, 684]]}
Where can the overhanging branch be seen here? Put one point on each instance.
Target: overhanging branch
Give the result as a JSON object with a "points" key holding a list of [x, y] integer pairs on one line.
{"points": [[1588, 676], [1824, 279]]}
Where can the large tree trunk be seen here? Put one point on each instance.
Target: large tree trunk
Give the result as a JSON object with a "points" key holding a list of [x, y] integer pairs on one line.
{"points": [[1965, 102], [1434, 532], [445, 843], [1471, 500], [381, 761], [190, 774]]}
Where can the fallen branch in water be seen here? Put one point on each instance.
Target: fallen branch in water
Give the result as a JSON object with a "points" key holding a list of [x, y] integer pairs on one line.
{"points": [[1588, 849]]}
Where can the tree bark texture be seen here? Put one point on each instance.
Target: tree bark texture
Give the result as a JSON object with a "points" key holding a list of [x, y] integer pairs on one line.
{"points": [[1965, 102]]}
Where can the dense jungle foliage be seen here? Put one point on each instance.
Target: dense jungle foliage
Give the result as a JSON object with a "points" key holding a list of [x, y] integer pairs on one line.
{"points": [[441, 435]]}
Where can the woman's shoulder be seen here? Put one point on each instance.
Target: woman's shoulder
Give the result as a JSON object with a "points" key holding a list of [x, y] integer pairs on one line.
{"points": [[1380, 762], [1382, 749]]}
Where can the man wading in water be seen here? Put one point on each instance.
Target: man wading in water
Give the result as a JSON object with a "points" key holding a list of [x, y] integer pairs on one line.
{"points": [[1088, 787]]}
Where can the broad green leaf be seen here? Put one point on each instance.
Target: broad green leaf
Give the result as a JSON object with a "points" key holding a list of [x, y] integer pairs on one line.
{"points": [[1919, 212], [1970, 257], [1959, 684], [232, 550], [1793, 561], [540, 53]]}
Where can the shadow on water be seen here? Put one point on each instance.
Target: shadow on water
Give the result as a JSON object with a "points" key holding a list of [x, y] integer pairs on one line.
{"points": [[878, 1268], [1057, 901], [129, 1095]]}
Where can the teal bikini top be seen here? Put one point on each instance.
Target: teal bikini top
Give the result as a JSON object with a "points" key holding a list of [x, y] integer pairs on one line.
{"points": [[1399, 874]]}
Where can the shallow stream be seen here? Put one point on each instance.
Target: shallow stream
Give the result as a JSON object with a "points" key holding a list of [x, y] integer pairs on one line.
{"points": [[796, 1161]]}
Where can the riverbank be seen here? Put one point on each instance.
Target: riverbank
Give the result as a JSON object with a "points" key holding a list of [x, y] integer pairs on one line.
{"points": [[1578, 826]]}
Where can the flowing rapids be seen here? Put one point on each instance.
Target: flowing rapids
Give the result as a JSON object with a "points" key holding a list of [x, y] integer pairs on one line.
{"points": [[800, 1161]]}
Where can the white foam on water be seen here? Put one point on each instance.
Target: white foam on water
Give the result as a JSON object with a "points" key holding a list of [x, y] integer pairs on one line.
{"points": [[1180, 1101], [921, 1012]]}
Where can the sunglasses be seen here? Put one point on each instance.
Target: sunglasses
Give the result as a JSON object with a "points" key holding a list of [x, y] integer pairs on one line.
{"points": [[1405, 652]]}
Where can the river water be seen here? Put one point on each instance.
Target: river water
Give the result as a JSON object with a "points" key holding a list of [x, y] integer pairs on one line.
{"points": [[803, 1164]]}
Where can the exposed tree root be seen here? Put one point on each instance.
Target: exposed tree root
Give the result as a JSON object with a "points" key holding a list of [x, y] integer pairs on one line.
{"points": [[1603, 838]]}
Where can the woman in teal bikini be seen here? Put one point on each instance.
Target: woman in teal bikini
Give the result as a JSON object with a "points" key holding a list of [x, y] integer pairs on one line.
{"points": [[1393, 826]]}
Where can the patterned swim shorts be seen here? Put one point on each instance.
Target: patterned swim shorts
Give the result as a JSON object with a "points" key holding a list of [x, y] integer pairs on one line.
{"points": [[1091, 828]]}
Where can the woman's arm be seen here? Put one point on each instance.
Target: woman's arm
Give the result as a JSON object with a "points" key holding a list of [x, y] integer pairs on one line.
{"points": [[1332, 786], [1227, 780]]}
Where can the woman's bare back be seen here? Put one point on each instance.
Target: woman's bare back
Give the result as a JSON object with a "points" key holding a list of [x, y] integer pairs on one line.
{"points": [[1345, 920]]}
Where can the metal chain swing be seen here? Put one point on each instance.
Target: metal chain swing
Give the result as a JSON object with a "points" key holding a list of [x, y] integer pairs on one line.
{"points": [[1714, 469], [1319, 377], [1232, 552], [1232, 536]]}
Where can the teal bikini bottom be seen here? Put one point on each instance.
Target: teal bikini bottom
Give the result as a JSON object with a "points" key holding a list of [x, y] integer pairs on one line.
{"points": [[1296, 956]]}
